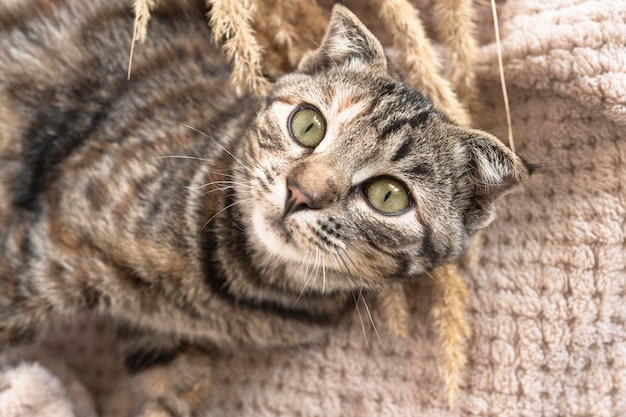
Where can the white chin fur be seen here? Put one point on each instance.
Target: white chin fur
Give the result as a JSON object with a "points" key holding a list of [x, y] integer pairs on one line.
{"points": [[270, 238]]}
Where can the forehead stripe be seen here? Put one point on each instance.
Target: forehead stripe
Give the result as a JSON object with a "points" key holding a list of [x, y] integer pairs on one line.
{"points": [[395, 125]]}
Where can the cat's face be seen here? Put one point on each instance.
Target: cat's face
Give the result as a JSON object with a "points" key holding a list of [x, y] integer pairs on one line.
{"points": [[352, 171]]}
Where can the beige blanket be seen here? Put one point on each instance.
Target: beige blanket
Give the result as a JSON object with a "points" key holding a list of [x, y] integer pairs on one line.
{"points": [[549, 294]]}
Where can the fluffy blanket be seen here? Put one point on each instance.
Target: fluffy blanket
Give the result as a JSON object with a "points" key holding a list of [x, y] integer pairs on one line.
{"points": [[549, 291]]}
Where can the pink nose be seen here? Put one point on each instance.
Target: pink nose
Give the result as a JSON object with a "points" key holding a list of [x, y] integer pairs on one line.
{"points": [[297, 199]]}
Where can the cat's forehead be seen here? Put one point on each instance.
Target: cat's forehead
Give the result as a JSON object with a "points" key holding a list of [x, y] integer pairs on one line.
{"points": [[379, 114], [332, 86]]}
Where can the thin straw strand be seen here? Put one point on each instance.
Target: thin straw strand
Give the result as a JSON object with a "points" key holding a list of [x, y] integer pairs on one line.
{"points": [[505, 94]]}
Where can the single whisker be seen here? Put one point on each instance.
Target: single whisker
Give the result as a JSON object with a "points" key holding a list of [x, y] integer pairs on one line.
{"points": [[222, 185], [309, 258], [242, 209], [342, 266], [317, 262], [239, 212], [224, 209], [358, 310], [193, 158], [323, 274], [430, 275], [228, 187]]}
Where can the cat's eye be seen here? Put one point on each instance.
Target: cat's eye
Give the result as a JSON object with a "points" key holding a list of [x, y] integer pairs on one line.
{"points": [[307, 126], [387, 195]]}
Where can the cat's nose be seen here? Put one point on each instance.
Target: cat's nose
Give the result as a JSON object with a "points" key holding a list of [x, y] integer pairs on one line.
{"points": [[298, 199]]}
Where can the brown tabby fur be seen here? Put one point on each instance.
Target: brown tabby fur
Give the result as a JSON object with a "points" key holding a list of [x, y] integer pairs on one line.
{"points": [[160, 201]]}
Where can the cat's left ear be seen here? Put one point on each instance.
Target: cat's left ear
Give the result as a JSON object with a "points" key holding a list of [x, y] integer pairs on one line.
{"points": [[493, 169], [346, 39]]}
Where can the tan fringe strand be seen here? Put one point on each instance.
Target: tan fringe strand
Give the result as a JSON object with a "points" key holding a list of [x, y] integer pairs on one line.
{"points": [[142, 10], [231, 21], [455, 26], [449, 315]]}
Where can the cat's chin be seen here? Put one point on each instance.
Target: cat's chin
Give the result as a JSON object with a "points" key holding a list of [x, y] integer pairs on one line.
{"points": [[272, 237]]}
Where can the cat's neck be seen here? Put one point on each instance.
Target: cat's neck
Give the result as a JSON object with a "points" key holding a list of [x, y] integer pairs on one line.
{"points": [[234, 270]]}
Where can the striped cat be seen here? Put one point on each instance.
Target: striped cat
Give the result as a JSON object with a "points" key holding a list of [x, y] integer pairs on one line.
{"points": [[197, 219]]}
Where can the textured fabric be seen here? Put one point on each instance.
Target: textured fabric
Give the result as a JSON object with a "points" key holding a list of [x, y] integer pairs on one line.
{"points": [[549, 291]]}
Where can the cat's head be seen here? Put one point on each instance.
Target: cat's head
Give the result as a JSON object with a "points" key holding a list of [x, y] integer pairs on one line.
{"points": [[353, 173]]}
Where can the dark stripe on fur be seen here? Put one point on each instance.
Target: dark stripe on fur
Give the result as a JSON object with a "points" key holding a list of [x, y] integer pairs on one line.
{"points": [[216, 280], [404, 149], [14, 335], [397, 124], [404, 262], [52, 137], [428, 246], [421, 170], [151, 294], [143, 359]]}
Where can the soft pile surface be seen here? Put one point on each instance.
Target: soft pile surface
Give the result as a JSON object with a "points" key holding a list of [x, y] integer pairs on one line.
{"points": [[548, 294]]}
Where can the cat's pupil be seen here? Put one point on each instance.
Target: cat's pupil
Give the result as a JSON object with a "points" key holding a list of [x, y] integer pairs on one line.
{"points": [[387, 196], [309, 128]]}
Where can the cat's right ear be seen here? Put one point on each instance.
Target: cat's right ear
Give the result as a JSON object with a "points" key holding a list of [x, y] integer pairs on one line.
{"points": [[493, 170], [346, 39]]}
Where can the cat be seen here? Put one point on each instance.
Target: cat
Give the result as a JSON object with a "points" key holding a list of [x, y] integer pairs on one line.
{"points": [[198, 219]]}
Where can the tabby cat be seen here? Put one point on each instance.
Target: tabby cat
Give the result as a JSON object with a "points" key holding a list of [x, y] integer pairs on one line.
{"points": [[197, 219]]}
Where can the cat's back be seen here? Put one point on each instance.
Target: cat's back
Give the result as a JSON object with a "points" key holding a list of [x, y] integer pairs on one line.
{"points": [[55, 41], [64, 82]]}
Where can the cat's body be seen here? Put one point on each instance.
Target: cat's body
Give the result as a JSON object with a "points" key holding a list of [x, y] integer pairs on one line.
{"points": [[240, 232]]}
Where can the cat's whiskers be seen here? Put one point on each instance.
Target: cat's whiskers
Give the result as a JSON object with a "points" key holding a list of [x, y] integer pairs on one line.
{"points": [[255, 162], [195, 158], [229, 187], [208, 135], [355, 297], [241, 184], [243, 148], [362, 298], [369, 314]]}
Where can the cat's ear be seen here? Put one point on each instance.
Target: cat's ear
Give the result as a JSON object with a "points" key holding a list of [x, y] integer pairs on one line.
{"points": [[493, 169], [346, 39]]}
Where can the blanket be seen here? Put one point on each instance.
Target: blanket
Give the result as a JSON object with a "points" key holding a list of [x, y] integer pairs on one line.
{"points": [[548, 292]]}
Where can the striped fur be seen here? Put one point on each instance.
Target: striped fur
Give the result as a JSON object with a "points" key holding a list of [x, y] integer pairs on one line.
{"points": [[160, 200]]}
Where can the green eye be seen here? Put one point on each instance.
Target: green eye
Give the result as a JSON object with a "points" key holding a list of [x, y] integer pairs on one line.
{"points": [[307, 126], [387, 195]]}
